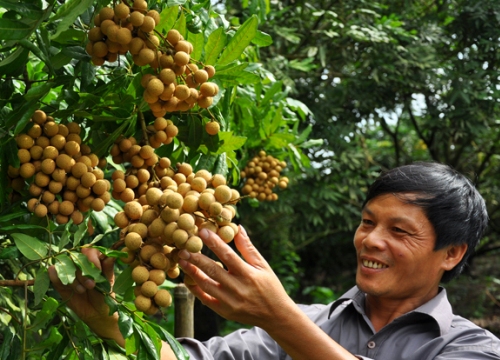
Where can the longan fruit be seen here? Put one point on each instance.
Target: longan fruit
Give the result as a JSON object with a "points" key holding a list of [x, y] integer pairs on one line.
{"points": [[40, 210], [146, 56], [97, 204], [215, 209], [39, 117], [133, 210], [149, 289], [180, 238], [163, 298], [223, 193], [169, 215], [194, 244], [184, 46], [66, 208], [24, 141], [147, 251], [133, 241], [77, 217], [27, 170], [226, 233], [205, 101], [100, 187], [146, 152], [174, 200], [159, 261], [148, 217], [153, 196], [190, 204], [140, 274], [174, 273], [212, 127], [122, 11], [121, 220], [186, 221], [155, 87], [201, 76], [142, 303], [158, 276], [148, 24], [210, 70], [35, 131], [156, 228]]}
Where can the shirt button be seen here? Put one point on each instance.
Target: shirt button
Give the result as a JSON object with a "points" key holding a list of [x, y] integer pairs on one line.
{"points": [[371, 344]]}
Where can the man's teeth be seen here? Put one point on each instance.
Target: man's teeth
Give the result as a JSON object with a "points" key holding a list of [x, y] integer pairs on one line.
{"points": [[373, 265]]}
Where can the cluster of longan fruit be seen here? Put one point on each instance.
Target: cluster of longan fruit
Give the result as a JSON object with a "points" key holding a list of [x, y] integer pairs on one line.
{"points": [[262, 174], [63, 174], [165, 220], [178, 84], [122, 29]]}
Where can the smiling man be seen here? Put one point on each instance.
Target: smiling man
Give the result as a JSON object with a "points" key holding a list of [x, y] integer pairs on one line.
{"points": [[419, 224]]}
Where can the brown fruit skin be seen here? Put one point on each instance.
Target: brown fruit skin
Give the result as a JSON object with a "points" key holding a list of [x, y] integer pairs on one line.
{"points": [[163, 298], [212, 128], [149, 288], [142, 303], [140, 274]]}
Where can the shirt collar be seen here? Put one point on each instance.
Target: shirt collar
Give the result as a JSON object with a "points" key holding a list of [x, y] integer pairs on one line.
{"points": [[438, 308]]}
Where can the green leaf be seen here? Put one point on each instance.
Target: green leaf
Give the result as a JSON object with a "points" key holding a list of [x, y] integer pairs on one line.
{"points": [[68, 12], [8, 335], [180, 25], [9, 253], [239, 41], [195, 133], [215, 43], [42, 283], [65, 268], [37, 92], [54, 338], [221, 165], [80, 233], [231, 142], [125, 324], [14, 30], [14, 61], [124, 281], [30, 11], [146, 344], [87, 267], [132, 343], [262, 39], [46, 314], [272, 91], [11, 216], [177, 348], [167, 19], [30, 247], [197, 40], [22, 114]]}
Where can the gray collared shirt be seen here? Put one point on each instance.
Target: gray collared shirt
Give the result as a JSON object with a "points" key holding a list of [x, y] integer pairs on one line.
{"points": [[431, 331]]}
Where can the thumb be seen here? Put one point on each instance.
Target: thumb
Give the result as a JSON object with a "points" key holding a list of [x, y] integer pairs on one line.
{"points": [[247, 250]]}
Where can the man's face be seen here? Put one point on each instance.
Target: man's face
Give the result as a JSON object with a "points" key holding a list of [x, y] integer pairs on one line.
{"points": [[394, 245]]}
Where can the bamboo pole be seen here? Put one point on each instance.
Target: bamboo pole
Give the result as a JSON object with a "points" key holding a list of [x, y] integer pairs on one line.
{"points": [[184, 312]]}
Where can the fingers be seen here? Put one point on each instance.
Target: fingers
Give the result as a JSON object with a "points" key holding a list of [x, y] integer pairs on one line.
{"points": [[223, 251], [247, 250]]}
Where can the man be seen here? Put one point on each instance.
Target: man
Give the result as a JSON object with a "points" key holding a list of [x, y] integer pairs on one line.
{"points": [[419, 224]]}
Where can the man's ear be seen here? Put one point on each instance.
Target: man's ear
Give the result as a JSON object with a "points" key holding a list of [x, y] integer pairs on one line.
{"points": [[454, 254]]}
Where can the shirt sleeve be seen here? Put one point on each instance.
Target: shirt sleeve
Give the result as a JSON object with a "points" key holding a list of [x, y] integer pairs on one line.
{"points": [[472, 344], [244, 344]]}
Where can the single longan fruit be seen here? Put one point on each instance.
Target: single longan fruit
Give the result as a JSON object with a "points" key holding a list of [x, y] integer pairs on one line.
{"points": [[159, 261], [186, 221], [194, 244], [133, 241], [100, 187], [39, 117], [156, 228], [212, 128], [215, 209], [123, 36], [174, 200], [148, 217], [31, 204], [180, 238], [66, 208], [190, 204], [149, 289], [88, 179], [184, 46], [181, 58], [121, 220], [146, 152], [153, 196], [140, 5], [158, 276], [133, 210], [226, 233], [174, 273], [79, 169], [122, 11], [35, 131], [148, 24], [65, 162], [223, 193], [155, 15], [169, 215], [136, 18], [24, 141], [205, 101], [182, 92], [155, 87], [146, 56], [200, 76], [205, 200], [174, 36], [210, 70], [27, 170], [147, 251], [77, 217], [163, 298], [140, 274], [40, 210], [97, 204], [142, 303]]}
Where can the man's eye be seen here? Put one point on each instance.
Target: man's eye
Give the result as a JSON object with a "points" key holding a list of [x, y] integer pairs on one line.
{"points": [[396, 229], [367, 222]]}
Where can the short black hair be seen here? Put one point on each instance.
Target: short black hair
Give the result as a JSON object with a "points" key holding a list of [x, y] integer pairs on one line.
{"points": [[450, 201]]}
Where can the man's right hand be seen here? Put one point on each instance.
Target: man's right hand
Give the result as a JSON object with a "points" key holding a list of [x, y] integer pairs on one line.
{"points": [[87, 303]]}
